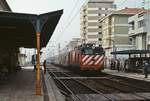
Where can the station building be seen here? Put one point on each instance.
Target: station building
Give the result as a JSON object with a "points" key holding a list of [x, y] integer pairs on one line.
{"points": [[139, 32]]}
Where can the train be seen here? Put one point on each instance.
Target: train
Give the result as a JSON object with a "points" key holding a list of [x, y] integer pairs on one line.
{"points": [[86, 57]]}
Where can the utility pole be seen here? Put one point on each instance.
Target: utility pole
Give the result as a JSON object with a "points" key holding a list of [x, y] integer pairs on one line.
{"points": [[146, 22], [53, 52], [114, 48], [59, 49]]}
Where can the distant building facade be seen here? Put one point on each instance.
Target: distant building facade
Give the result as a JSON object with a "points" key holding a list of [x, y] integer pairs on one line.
{"points": [[4, 6], [139, 31], [71, 45], [22, 59], [90, 16], [115, 30]]}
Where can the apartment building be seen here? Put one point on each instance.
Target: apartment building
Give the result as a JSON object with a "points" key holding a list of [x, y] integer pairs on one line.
{"points": [[4, 6], [90, 16], [115, 30], [139, 31]]}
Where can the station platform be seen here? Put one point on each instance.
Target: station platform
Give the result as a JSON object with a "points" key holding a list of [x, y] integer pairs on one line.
{"points": [[138, 76], [20, 87]]}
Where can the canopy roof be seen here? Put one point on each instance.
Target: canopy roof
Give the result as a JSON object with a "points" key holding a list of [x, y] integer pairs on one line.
{"points": [[131, 52], [19, 30]]}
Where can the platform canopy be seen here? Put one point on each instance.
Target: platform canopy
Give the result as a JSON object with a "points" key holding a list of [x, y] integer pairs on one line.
{"points": [[19, 30], [131, 52]]}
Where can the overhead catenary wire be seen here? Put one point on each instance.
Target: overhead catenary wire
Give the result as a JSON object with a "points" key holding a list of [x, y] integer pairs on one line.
{"points": [[74, 7], [70, 22], [74, 16], [78, 11]]}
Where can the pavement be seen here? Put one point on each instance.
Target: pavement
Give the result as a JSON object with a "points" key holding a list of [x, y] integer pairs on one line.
{"points": [[20, 87], [138, 76]]}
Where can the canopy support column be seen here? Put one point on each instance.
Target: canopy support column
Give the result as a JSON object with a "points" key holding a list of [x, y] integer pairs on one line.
{"points": [[38, 74], [38, 79]]}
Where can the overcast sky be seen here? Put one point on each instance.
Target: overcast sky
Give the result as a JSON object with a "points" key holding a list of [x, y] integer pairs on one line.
{"points": [[71, 13]]}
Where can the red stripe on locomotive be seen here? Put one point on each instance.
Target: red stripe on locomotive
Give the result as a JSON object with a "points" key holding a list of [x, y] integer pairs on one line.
{"points": [[93, 62]]}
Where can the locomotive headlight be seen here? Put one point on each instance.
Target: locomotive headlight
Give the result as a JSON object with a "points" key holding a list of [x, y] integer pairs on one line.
{"points": [[93, 47]]}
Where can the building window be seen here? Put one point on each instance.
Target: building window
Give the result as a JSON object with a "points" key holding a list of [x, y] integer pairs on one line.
{"points": [[141, 24], [141, 15], [99, 26], [132, 25], [130, 41], [99, 14], [99, 33], [84, 10], [100, 39]]}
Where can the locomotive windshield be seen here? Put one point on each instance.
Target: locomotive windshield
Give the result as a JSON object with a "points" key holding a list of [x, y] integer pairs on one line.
{"points": [[87, 51], [98, 50], [92, 50]]}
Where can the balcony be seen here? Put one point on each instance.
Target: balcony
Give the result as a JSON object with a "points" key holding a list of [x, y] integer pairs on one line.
{"points": [[137, 31]]}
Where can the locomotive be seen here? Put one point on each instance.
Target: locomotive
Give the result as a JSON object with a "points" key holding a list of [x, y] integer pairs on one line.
{"points": [[84, 57]]}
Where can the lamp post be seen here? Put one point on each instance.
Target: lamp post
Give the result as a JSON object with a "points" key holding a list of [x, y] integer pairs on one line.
{"points": [[114, 48]]}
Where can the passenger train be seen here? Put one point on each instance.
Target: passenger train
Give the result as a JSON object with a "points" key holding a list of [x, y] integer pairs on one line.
{"points": [[85, 57]]}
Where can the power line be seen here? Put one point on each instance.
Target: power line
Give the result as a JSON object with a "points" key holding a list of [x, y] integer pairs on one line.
{"points": [[79, 11], [69, 23], [75, 5], [77, 1]]}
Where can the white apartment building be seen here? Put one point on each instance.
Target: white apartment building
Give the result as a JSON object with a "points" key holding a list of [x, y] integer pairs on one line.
{"points": [[139, 31], [90, 16]]}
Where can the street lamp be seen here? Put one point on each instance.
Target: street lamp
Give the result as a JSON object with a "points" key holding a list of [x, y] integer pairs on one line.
{"points": [[114, 48]]}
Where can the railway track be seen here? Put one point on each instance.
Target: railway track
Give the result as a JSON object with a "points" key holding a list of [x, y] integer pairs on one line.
{"points": [[73, 87], [104, 88]]}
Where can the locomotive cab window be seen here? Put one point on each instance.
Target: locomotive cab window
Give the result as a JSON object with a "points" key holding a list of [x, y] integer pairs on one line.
{"points": [[87, 51], [98, 50]]}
